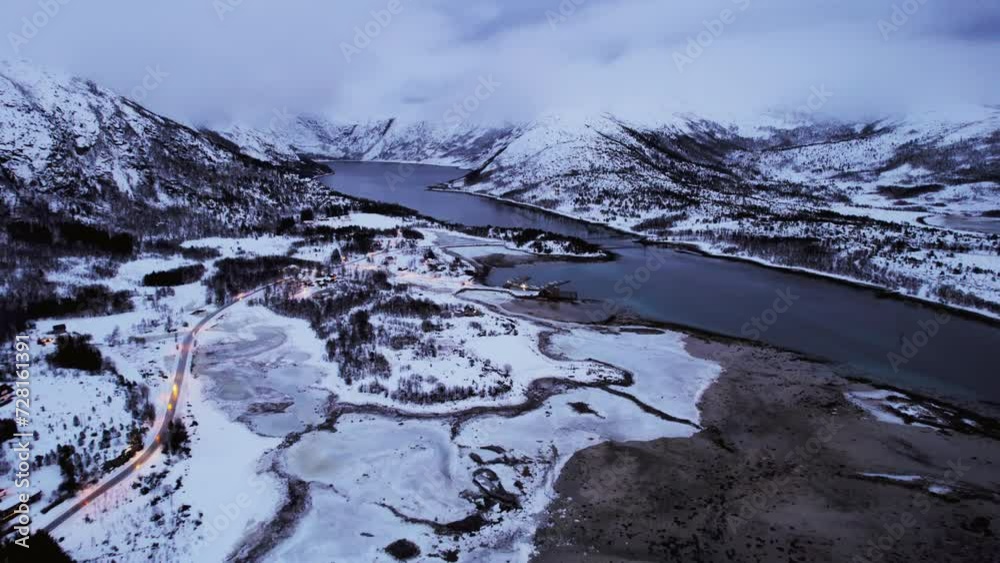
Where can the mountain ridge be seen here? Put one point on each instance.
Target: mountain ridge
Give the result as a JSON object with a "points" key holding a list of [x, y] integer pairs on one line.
{"points": [[70, 147], [908, 203], [901, 202]]}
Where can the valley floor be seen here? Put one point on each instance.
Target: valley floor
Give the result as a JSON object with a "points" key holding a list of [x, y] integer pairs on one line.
{"points": [[485, 427]]}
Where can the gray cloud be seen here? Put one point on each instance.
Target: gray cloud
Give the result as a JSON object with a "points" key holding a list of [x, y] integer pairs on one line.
{"points": [[227, 59]]}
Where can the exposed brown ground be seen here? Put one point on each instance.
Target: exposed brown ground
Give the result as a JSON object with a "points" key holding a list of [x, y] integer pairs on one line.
{"points": [[775, 476]]}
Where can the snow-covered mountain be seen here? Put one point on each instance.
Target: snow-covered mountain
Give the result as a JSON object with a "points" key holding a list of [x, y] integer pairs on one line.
{"points": [[907, 203], [70, 147], [951, 157], [931, 161], [464, 145]]}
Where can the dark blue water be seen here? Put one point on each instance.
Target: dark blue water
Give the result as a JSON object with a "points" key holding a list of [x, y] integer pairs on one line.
{"points": [[856, 327]]}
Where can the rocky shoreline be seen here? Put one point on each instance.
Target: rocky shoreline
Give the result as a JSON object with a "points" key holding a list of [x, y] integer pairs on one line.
{"points": [[786, 468]]}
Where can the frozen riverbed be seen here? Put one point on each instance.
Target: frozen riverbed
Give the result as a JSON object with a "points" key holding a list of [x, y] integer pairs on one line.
{"points": [[391, 478]]}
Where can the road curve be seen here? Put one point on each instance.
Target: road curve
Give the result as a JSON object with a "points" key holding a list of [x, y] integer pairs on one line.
{"points": [[161, 434], [187, 345]]}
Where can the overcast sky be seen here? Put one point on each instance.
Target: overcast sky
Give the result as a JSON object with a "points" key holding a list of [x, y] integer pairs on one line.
{"points": [[246, 59]]}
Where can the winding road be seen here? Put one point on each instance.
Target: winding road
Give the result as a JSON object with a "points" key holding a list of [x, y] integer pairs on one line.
{"points": [[181, 370], [186, 346]]}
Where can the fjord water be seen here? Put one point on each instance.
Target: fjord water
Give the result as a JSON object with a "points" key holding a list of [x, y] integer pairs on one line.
{"points": [[845, 324]]}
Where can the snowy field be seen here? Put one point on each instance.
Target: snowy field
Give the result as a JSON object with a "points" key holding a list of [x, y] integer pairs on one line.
{"points": [[266, 406]]}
